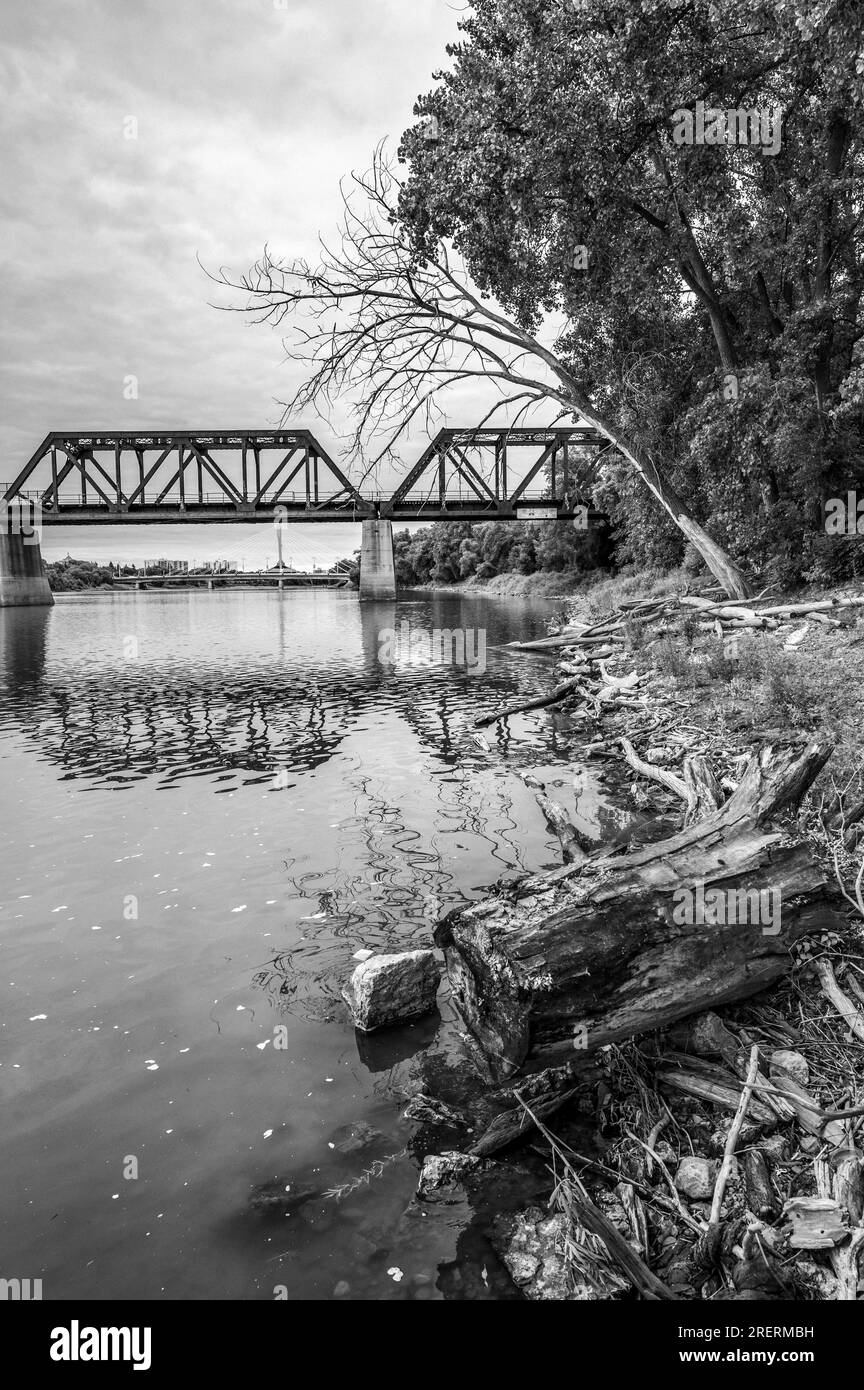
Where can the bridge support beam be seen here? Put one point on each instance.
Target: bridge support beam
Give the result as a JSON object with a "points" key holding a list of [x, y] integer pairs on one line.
{"points": [[377, 570], [23, 584]]}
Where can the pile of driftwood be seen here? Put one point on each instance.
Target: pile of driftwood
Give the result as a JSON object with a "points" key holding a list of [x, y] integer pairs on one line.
{"points": [[612, 946], [730, 614], [587, 981], [585, 648], [603, 977]]}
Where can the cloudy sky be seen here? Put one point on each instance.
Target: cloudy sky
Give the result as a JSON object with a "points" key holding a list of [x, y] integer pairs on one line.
{"points": [[141, 134]]}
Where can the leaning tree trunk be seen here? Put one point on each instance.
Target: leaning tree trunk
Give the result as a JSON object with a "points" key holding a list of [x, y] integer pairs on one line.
{"points": [[718, 562], [571, 395], [725, 572], [564, 963]]}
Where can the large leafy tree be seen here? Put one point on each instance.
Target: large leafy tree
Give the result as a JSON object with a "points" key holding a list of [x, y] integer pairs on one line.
{"points": [[699, 304], [396, 326], [710, 295]]}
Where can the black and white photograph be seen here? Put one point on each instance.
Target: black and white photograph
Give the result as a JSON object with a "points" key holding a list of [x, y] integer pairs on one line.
{"points": [[432, 669]]}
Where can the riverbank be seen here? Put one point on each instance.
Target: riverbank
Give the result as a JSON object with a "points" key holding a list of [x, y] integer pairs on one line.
{"points": [[596, 587], [665, 1113], [546, 585]]}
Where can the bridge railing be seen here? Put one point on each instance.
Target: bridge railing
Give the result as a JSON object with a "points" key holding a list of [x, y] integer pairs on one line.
{"points": [[478, 472], [415, 502]]}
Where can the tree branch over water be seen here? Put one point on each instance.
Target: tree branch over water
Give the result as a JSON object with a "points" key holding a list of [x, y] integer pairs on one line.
{"points": [[395, 329]]}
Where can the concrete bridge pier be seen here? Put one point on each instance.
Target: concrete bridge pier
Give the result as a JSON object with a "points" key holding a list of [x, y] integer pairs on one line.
{"points": [[377, 570], [23, 583]]}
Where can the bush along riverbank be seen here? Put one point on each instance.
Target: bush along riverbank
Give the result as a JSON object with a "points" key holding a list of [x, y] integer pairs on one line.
{"points": [[668, 1034], [78, 576]]}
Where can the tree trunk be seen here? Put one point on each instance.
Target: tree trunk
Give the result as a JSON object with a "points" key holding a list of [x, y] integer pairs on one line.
{"points": [[565, 963], [572, 396], [718, 562]]}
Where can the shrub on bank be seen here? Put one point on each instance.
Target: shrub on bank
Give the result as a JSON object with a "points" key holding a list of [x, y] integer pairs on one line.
{"points": [[70, 576]]}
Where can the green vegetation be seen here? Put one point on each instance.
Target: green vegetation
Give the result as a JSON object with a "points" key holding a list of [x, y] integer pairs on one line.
{"points": [[704, 266], [698, 301], [69, 576], [448, 552]]}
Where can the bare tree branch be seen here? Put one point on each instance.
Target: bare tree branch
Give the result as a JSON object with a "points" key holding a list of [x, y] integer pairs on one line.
{"points": [[392, 331]]}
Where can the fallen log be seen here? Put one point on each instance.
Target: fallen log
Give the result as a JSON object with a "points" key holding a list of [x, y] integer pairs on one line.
{"points": [[560, 692], [543, 644], [744, 617], [788, 610], [617, 946], [713, 1093], [551, 644]]}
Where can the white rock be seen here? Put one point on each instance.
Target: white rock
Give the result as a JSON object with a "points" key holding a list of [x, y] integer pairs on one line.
{"points": [[362, 954], [388, 990], [695, 1178]]}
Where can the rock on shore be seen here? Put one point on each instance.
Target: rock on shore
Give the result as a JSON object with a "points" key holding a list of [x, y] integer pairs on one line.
{"points": [[388, 990]]}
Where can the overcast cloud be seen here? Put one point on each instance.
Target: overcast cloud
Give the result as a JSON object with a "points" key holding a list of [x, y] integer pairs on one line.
{"points": [[247, 116]]}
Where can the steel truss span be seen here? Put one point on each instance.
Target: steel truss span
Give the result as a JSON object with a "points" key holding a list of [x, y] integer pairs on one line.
{"points": [[257, 475]]}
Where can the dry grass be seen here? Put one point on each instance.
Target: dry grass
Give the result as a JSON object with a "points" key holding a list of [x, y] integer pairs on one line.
{"points": [[601, 595], [816, 690]]}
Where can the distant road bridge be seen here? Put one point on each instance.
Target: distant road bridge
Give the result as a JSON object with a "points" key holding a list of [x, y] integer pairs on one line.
{"points": [[237, 579], [183, 476]]}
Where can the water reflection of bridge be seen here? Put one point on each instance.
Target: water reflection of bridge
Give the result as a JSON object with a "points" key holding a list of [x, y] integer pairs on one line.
{"points": [[402, 845], [117, 720]]}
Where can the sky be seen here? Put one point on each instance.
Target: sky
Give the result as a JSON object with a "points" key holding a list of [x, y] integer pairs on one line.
{"points": [[141, 135]]}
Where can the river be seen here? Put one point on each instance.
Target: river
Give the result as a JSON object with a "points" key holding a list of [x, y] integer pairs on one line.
{"points": [[209, 803]]}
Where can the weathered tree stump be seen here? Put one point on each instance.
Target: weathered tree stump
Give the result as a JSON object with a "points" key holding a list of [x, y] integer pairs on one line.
{"points": [[561, 964]]}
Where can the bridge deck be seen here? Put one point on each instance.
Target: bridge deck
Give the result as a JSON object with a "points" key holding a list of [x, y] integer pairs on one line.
{"points": [[181, 477]]}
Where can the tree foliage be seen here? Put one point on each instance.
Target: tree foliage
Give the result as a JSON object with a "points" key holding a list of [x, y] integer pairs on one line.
{"points": [[719, 318], [448, 552], [68, 576]]}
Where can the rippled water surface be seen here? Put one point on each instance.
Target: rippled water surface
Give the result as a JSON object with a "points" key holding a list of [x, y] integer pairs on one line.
{"points": [[209, 802]]}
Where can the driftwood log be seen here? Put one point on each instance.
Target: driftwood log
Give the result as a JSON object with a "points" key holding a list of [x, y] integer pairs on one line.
{"points": [[564, 963], [571, 687]]}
